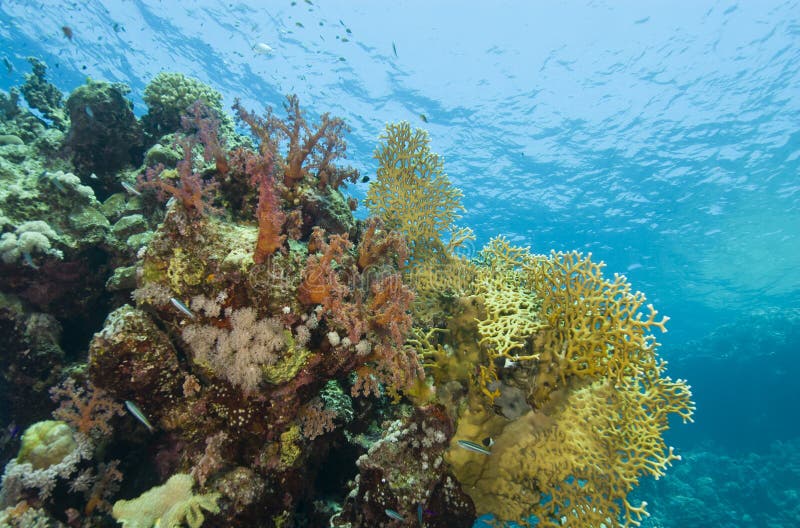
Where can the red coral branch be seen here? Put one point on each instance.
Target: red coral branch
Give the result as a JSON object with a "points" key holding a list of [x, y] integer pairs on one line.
{"points": [[206, 124], [307, 149], [321, 283], [271, 217]]}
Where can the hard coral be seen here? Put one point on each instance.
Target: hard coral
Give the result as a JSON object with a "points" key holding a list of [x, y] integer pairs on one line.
{"points": [[43, 95], [592, 403], [104, 134], [579, 463], [412, 193], [168, 96]]}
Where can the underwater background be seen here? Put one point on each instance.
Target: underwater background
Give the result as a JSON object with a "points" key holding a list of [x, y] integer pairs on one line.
{"points": [[662, 137]]}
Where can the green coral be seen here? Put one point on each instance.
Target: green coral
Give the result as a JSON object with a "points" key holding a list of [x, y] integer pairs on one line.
{"points": [[167, 506], [46, 444], [290, 363], [184, 270], [104, 134], [168, 96], [290, 451], [43, 95]]}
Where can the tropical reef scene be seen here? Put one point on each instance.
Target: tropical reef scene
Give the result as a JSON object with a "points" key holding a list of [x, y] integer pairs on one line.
{"points": [[311, 264]]}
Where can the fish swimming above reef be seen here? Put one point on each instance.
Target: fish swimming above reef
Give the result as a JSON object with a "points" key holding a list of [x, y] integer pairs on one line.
{"points": [[262, 48]]}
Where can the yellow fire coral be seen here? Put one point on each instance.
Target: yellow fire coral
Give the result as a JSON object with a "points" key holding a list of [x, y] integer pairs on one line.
{"points": [[411, 192], [575, 466], [583, 358], [594, 326]]}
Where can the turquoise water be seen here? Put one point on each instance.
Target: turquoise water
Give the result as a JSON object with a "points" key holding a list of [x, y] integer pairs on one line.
{"points": [[661, 137]]}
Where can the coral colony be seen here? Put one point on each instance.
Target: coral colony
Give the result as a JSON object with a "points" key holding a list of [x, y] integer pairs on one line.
{"points": [[197, 331]]}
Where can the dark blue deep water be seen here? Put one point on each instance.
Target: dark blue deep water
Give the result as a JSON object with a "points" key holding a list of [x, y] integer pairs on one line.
{"points": [[663, 137]]}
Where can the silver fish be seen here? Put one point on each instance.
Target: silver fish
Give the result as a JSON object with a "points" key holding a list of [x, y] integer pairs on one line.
{"points": [[393, 515], [182, 307], [472, 446], [131, 189], [139, 415], [262, 48]]}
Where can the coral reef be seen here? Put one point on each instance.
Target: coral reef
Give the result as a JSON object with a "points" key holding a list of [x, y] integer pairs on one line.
{"points": [[224, 344]]}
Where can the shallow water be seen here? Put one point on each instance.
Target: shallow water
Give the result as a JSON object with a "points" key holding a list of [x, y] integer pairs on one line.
{"points": [[663, 140]]}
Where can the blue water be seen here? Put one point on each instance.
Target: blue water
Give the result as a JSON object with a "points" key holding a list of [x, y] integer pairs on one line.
{"points": [[663, 137]]}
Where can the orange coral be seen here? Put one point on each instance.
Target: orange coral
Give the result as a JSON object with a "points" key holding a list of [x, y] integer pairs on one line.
{"points": [[321, 283], [269, 214]]}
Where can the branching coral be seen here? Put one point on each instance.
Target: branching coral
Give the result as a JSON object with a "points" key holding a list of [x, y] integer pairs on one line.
{"points": [[269, 214], [597, 403], [310, 151], [594, 327], [412, 193], [576, 465]]}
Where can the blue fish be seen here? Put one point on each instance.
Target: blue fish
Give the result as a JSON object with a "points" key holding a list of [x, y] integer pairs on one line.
{"points": [[393, 515]]}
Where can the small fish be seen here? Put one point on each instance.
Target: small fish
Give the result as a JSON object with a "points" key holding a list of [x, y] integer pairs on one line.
{"points": [[393, 515], [419, 513], [139, 415], [472, 446], [67, 32], [299, 24], [131, 189], [182, 308], [28, 260], [488, 441], [394, 49], [93, 176], [262, 48], [365, 179], [58, 185], [88, 110], [348, 31], [9, 433], [8, 65], [424, 118]]}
